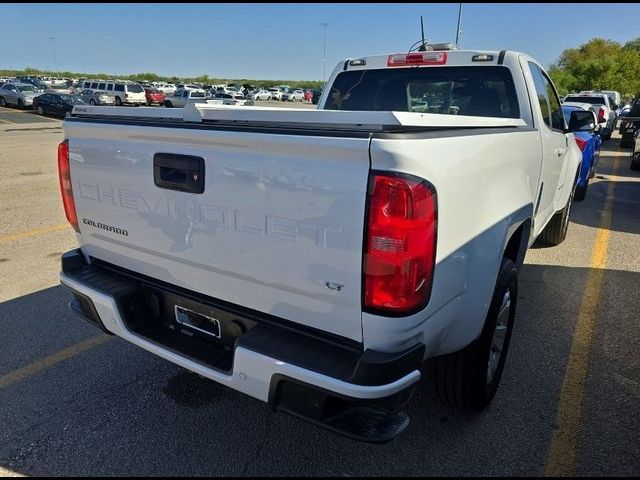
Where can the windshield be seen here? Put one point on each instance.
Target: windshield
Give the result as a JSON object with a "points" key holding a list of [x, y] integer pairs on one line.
{"points": [[581, 99], [566, 112], [26, 88], [72, 99], [197, 94], [475, 91]]}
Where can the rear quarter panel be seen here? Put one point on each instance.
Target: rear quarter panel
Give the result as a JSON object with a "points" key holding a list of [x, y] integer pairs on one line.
{"points": [[486, 187]]}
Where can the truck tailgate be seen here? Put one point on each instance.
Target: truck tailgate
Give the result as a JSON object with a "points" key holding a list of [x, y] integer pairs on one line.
{"points": [[277, 229]]}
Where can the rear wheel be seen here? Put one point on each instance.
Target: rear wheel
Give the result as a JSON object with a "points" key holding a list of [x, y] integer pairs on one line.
{"points": [[167, 104], [556, 230], [118, 102], [20, 104], [40, 110], [469, 378], [3, 102], [92, 102]]}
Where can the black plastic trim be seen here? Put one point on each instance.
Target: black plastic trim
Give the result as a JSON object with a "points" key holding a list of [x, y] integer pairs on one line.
{"points": [[277, 338], [386, 131], [501, 56]]}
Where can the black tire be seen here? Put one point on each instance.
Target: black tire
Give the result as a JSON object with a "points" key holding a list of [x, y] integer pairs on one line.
{"points": [[581, 192], [556, 230], [462, 378], [3, 102], [167, 104], [20, 104], [40, 110], [118, 102], [92, 102], [635, 162]]}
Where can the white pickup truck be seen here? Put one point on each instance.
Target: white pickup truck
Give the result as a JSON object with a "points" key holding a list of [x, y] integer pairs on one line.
{"points": [[314, 259]]}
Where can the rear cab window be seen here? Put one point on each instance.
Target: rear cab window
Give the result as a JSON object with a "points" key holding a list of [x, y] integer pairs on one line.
{"points": [[134, 88], [474, 91]]}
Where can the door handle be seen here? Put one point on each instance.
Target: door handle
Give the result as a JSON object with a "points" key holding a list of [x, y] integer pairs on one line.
{"points": [[184, 173], [560, 151]]}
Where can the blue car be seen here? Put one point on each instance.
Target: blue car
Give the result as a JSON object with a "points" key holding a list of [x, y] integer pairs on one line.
{"points": [[589, 143]]}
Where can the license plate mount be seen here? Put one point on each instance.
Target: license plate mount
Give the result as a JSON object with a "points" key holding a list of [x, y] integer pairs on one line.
{"points": [[197, 321]]}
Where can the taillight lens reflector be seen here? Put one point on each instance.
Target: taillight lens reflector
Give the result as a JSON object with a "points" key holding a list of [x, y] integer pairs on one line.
{"points": [[581, 143], [64, 173], [400, 244]]}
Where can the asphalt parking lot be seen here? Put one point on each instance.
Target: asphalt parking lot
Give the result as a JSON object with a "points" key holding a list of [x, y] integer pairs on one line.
{"points": [[77, 402]]}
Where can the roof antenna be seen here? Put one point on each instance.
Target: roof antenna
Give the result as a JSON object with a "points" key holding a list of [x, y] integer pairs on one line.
{"points": [[423, 47], [458, 30]]}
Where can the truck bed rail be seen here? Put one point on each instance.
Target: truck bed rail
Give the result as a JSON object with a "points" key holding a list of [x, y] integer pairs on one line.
{"points": [[266, 116]]}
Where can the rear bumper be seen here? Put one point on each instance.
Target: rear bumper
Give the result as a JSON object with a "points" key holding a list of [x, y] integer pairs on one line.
{"points": [[303, 374]]}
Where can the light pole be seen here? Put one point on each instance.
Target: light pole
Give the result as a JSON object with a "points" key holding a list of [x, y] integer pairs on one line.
{"points": [[55, 60], [324, 50]]}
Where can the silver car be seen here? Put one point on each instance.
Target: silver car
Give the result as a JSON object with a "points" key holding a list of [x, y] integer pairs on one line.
{"points": [[97, 97], [19, 94]]}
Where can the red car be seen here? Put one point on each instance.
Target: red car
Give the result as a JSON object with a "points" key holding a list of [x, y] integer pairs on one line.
{"points": [[154, 96], [308, 95]]}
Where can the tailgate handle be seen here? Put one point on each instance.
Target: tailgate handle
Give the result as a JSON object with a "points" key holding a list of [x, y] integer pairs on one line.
{"points": [[184, 173]]}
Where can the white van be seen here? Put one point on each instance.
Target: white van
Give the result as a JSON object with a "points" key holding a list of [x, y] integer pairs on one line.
{"points": [[126, 92]]}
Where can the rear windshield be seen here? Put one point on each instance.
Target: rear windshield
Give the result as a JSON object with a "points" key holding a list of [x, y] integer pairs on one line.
{"points": [[581, 99], [476, 91], [135, 88], [197, 95]]}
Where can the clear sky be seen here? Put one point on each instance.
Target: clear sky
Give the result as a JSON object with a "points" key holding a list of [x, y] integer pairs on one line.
{"points": [[283, 41]]}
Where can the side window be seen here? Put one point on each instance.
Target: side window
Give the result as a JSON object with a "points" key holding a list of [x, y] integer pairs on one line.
{"points": [[557, 120], [94, 86], [541, 92], [86, 85], [119, 87], [110, 87], [101, 86]]}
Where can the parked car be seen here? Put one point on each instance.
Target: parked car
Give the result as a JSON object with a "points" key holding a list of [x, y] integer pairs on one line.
{"points": [[315, 261], [154, 96], [630, 125], [261, 95], [232, 99], [38, 84], [293, 96], [124, 91], [635, 151], [20, 95], [606, 112], [57, 104], [181, 97], [589, 143], [316, 96], [276, 93], [166, 88], [97, 97]]}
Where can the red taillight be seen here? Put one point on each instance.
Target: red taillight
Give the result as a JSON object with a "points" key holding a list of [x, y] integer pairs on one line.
{"points": [[417, 58], [64, 173], [600, 114], [400, 244], [581, 143]]}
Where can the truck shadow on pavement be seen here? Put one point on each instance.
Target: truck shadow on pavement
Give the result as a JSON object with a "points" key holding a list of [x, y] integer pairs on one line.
{"points": [[117, 410]]}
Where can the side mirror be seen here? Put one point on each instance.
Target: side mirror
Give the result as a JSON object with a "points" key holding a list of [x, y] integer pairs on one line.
{"points": [[581, 121]]}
